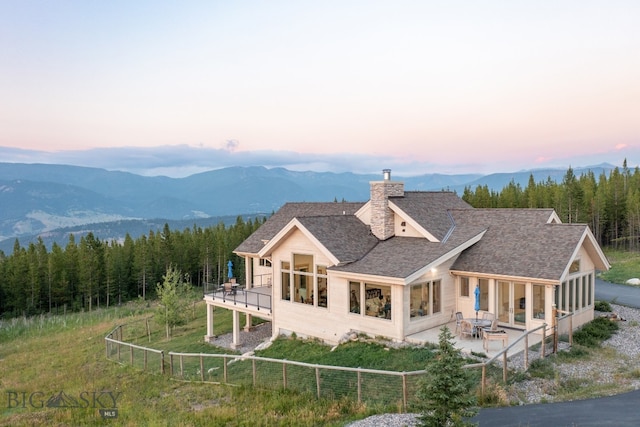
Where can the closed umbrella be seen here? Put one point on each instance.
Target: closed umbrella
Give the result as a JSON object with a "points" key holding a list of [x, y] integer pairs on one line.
{"points": [[476, 307], [230, 267]]}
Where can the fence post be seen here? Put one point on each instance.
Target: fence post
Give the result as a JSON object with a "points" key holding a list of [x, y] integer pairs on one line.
{"points": [[201, 368], [543, 350], [484, 379], [162, 362], [225, 368], [404, 391], [131, 352], [504, 366], [171, 364], [145, 359], [318, 381], [181, 367], [284, 375], [253, 367], [571, 330], [359, 386], [526, 352]]}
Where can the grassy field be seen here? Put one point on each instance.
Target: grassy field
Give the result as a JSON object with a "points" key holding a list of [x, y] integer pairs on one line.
{"points": [[43, 356], [64, 356], [624, 266]]}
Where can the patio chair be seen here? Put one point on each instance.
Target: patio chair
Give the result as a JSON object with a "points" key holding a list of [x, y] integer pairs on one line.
{"points": [[466, 328], [492, 328], [488, 316], [459, 318]]}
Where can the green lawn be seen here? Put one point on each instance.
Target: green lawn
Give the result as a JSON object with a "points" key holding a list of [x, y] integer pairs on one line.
{"points": [[624, 266]]}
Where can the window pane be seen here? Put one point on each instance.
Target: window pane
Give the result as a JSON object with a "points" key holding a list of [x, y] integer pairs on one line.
{"points": [[286, 290], [484, 294], [464, 286], [419, 307], [354, 297], [323, 290], [538, 301], [436, 288], [378, 301], [303, 263]]}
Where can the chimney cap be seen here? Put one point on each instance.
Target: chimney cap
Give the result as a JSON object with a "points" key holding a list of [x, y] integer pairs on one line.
{"points": [[386, 174]]}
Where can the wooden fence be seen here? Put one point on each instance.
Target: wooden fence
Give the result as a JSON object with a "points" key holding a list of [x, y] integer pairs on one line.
{"points": [[362, 385]]}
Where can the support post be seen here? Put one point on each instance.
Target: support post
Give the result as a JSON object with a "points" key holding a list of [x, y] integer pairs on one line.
{"points": [[236, 329], [209, 336]]}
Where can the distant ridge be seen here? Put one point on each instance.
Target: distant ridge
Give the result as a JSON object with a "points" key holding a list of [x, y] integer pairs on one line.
{"points": [[40, 199]]}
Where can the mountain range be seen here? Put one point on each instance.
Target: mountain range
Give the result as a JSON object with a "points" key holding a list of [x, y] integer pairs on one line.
{"points": [[50, 201]]}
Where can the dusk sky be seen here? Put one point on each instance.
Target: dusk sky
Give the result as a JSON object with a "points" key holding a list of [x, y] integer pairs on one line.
{"points": [[157, 87]]}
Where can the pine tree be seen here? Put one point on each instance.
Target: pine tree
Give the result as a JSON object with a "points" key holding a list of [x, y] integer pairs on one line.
{"points": [[445, 393]]}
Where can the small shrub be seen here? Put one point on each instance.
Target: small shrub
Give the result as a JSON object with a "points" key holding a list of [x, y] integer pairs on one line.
{"points": [[542, 368], [593, 333], [575, 352], [603, 306]]}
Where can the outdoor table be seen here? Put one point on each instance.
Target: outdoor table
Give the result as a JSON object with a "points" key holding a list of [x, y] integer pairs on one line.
{"points": [[478, 324]]}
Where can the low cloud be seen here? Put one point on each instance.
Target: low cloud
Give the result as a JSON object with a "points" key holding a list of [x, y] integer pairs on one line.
{"points": [[184, 160]]}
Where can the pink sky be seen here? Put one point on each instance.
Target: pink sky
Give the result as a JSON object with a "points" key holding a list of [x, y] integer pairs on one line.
{"points": [[493, 84]]}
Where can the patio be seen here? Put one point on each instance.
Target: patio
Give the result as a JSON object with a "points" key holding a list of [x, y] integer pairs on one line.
{"points": [[475, 345]]}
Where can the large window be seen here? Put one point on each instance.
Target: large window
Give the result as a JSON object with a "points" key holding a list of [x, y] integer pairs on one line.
{"points": [[376, 299], [425, 299], [304, 281]]}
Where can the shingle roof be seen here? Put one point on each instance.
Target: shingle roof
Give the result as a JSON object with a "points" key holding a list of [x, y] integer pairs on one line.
{"points": [[286, 213], [429, 209], [345, 236], [518, 242]]}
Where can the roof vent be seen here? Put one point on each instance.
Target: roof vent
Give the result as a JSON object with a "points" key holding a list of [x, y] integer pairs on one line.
{"points": [[386, 174]]}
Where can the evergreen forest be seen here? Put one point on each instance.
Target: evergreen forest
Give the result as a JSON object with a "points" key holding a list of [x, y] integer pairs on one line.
{"points": [[91, 273]]}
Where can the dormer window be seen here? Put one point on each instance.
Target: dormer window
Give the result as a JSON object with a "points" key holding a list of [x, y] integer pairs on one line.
{"points": [[574, 267]]}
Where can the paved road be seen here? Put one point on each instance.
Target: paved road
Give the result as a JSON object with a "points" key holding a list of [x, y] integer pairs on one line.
{"points": [[621, 410], [618, 294]]}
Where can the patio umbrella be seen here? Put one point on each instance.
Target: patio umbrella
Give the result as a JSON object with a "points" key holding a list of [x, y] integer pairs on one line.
{"points": [[476, 307], [230, 267]]}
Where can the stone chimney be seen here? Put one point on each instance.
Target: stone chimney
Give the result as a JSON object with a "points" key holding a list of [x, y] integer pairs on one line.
{"points": [[382, 225]]}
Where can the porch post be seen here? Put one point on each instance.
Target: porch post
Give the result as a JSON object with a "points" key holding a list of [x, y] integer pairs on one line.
{"points": [[209, 335], [247, 324], [236, 329], [248, 272]]}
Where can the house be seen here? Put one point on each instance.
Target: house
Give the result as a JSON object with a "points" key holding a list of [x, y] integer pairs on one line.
{"points": [[406, 261]]}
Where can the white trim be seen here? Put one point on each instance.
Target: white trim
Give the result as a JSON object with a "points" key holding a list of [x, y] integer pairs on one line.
{"points": [[286, 231], [402, 214], [455, 251]]}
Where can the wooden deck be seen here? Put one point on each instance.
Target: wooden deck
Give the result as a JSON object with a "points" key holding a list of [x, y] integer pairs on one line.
{"points": [[254, 301]]}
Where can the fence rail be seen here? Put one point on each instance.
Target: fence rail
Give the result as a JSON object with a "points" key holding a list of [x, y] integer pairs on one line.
{"points": [[116, 349], [359, 384]]}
